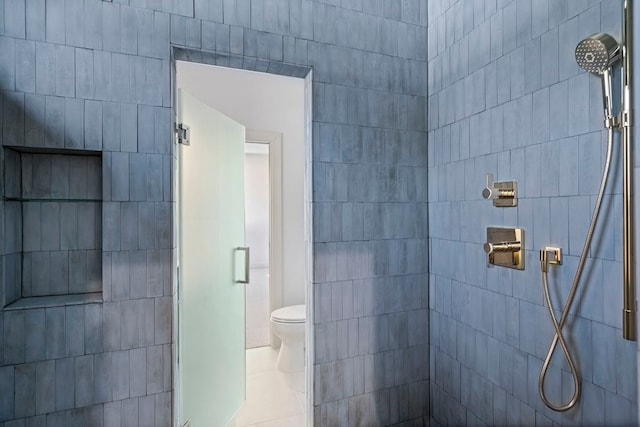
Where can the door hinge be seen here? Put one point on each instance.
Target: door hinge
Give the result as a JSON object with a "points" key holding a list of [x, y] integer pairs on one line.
{"points": [[183, 133]]}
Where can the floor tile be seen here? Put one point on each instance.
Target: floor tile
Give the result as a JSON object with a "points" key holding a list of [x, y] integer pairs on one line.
{"points": [[274, 398], [295, 421]]}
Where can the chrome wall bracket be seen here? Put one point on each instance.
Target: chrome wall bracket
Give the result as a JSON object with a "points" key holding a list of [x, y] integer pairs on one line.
{"points": [[550, 255], [505, 247], [504, 193]]}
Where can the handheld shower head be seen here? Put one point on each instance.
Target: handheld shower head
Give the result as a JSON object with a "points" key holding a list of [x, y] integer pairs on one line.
{"points": [[597, 54]]}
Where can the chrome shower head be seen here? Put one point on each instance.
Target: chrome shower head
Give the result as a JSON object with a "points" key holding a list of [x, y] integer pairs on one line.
{"points": [[597, 53]]}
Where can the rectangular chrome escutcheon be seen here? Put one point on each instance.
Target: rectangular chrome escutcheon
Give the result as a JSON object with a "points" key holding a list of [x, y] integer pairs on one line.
{"points": [[505, 247]]}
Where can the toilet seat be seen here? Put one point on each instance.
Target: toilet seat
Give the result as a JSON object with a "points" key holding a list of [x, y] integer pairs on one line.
{"points": [[290, 314]]}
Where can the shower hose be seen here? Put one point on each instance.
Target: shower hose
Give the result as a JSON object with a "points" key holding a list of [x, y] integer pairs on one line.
{"points": [[557, 325]]}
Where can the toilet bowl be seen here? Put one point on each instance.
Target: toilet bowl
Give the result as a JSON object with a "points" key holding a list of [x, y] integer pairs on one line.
{"points": [[288, 324]]}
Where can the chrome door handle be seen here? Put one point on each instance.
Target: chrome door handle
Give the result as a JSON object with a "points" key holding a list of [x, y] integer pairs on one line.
{"points": [[246, 251]]}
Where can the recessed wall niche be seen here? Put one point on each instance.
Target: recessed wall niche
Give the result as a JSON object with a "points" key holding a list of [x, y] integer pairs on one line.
{"points": [[52, 226]]}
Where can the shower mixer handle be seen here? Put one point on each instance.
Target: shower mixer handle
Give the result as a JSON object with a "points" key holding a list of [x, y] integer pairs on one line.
{"points": [[488, 192], [505, 247], [491, 248], [498, 194], [504, 194]]}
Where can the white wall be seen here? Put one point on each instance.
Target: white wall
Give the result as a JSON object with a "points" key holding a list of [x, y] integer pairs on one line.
{"points": [[256, 190], [265, 102]]}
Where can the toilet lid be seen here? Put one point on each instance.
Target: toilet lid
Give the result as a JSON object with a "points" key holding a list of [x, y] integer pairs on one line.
{"points": [[290, 314]]}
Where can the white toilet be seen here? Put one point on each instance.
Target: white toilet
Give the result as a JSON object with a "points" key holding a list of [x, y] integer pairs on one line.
{"points": [[288, 324]]}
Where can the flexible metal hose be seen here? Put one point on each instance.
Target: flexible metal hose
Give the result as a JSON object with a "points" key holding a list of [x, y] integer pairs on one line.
{"points": [[557, 325]]}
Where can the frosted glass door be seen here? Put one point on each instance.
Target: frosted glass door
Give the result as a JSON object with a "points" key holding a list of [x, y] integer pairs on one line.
{"points": [[211, 304]]}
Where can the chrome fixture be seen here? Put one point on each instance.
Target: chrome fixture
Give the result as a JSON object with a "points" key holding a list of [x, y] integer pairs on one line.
{"points": [[505, 247], [597, 54], [550, 255], [629, 309], [556, 258], [504, 194]]}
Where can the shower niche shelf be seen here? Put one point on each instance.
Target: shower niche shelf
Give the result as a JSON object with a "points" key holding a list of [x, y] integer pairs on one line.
{"points": [[52, 252]]}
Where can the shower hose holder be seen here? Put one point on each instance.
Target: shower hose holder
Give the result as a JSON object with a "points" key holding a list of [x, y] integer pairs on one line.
{"points": [[550, 255]]}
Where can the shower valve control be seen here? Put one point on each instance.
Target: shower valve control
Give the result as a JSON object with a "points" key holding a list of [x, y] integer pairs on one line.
{"points": [[505, 247], [504, 193]]}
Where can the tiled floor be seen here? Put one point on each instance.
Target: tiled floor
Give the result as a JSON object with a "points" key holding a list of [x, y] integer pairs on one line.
{"points": [[257, 308], [274, 399]]}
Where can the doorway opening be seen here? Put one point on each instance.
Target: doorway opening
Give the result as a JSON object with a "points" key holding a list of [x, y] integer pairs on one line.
{"points": [[279, 261], [257, 218], [264, 232]]}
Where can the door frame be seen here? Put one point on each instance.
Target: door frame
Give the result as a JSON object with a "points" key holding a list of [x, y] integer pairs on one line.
{"points": [[272, 67], [274, 141]]}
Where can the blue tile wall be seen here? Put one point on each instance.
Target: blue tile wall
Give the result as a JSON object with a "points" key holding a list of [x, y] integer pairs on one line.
{"points": [[92, 74], [506, 97]]}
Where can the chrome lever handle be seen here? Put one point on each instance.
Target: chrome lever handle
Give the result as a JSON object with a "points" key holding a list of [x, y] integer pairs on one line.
{"points": [[488, 192]]}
